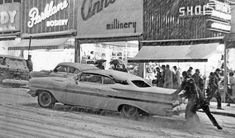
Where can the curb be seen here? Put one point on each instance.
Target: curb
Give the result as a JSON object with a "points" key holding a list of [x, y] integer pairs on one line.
{"points": [[220, 113]]}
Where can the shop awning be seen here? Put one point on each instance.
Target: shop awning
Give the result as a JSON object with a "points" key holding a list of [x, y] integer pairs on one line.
{"points": [[179, 53], [55, 43]]}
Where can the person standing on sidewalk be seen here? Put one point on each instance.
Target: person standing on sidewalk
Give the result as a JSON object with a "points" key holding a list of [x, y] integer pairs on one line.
{"points": [[168, 80], [176, 77], [213, 88], [231, 90], [198, 80], [29, 63]]}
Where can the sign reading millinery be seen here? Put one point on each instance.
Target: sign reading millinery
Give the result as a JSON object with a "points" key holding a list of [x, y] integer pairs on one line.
{"points": [[36, 16], [9, 17], [219, 14], [110, 18]]}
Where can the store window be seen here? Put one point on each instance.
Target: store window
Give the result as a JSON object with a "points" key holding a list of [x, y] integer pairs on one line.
{"points": [[8, 1], [109, 51]]}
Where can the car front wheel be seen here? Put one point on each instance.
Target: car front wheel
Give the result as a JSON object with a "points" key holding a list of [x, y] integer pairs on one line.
{"points": [[46, 100]]}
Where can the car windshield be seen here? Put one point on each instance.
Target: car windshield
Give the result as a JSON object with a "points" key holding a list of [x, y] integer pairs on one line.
{"points": [[16, 63], [140, 83]]}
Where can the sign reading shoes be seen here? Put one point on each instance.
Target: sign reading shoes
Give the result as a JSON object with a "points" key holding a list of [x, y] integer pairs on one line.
{"points": [[36, 16]]}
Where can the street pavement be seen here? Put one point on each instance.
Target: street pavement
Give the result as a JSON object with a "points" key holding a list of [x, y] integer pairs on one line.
{"points": [[21, 116]]}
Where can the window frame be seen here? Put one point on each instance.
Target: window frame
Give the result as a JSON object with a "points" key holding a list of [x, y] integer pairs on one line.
{"points": [[98, 82]]}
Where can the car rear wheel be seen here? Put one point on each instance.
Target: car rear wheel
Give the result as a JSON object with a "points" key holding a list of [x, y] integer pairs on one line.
{"points": [[130, 112], [46, 100]]}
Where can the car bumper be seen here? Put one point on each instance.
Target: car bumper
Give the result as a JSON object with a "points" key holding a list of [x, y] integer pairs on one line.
{"points": [[32, 93]]}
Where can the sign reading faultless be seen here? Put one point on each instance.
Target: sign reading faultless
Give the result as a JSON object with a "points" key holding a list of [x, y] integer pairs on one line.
{"points": [[9, 17], [110, 18]]}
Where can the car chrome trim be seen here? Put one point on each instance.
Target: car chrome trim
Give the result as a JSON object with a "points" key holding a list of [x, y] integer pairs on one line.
{"points": [[103, 95]]}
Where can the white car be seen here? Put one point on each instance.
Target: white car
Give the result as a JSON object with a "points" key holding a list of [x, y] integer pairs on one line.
{"points": [[104, 89]]}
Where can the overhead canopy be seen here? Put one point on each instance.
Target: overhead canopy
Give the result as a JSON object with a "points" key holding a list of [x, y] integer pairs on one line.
{"points": [[41, 44], [180, 53]]}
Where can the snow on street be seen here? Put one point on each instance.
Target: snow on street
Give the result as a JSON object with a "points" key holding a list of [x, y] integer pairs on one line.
{"points": [[20, 116]]}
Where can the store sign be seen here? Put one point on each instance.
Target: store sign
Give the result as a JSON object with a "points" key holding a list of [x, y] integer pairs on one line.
{"points": [[194, 10], [51, 9], [213, 8], [9, 17], [220, 26], [110, 18], [90, 8]]}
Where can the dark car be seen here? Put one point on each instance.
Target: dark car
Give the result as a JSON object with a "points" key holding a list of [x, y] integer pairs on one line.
{"points": [[13, 70], [64, 69]]}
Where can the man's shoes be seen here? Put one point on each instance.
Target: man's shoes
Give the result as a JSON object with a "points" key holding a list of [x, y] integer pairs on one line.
{"points": [[219, 127], [220, 108], [228, 104]]}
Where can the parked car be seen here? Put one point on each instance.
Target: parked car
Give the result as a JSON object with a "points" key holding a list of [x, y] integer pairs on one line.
{"points": [[104, 89], [63, 69], [13, 70]]}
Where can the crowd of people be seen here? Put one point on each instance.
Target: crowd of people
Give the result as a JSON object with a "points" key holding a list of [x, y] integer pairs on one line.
{"points": [[199, 98], [166, 77]]}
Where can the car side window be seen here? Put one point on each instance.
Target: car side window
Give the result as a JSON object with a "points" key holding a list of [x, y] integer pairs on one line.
{"points": [[71, 69], [2, 61], [91, 78], [107, 80], [61, 69]]}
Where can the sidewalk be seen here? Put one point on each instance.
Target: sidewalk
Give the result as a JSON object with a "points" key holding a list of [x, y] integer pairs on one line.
{"points": [[228, 110]]}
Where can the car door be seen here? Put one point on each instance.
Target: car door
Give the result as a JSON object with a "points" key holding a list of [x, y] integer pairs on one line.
{"points": [[60, 71], [90, 92]]}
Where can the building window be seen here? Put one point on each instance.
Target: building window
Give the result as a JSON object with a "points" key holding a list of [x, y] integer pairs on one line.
{"points": [[8, 1], [17, 1]]}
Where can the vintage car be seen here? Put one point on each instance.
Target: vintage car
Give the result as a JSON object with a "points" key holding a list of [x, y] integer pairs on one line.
{"points": [[13, 70], [104, 89], [63, 69]]}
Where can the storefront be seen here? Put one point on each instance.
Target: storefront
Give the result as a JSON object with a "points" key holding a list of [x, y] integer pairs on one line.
{"points": [[183, 23], [9, 25], [109, 29], [48, 32]]}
